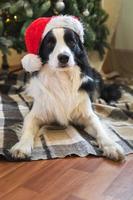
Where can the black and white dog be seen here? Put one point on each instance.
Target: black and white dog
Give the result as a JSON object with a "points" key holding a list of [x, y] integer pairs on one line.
{"points": [[62, 90]]}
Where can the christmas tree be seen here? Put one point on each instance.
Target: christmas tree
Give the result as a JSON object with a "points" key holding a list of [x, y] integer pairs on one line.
{"points": [[16, 15]]}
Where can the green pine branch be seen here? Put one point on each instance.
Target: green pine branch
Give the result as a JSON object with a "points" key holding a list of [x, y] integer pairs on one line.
{"points": [[16, 15]]}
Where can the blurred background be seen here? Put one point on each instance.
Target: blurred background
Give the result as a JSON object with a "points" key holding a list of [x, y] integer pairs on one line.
{"points": [[108, 35]]}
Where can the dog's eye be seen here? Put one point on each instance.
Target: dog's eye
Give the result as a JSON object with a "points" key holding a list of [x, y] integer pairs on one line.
{"points": [[71, 43], [50, 44]]}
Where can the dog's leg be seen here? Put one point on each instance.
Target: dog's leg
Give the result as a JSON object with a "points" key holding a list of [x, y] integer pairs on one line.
{"points": [[109, 147], [23, 148], [84, 115]]}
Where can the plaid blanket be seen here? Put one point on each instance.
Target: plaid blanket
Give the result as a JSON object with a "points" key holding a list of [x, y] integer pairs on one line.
{"points": [[59, 142]]}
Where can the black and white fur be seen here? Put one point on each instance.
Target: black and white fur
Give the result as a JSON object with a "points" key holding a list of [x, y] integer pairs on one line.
{"points": [[61, 91]]}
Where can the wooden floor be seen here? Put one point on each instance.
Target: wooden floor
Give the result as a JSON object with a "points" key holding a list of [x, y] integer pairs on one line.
{"points": [[67, 179]]}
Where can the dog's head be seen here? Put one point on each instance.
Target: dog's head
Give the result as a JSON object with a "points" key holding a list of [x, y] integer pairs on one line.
{"points": [[61, 47]]}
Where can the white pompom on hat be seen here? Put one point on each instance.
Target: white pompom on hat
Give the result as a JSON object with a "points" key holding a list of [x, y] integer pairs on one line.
{"points": [[36, 32]]}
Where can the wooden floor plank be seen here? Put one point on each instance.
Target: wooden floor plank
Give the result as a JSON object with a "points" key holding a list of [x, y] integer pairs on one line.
{"points": [[49, 174], [72, 197], [89, 165], [7, 167], [122, 186], [98, 181], [76, 178], [17, 177], [65, 185], [19, 193]]}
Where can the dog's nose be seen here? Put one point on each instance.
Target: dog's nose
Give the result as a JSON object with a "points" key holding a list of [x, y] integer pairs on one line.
{"points": [[63, 58]]}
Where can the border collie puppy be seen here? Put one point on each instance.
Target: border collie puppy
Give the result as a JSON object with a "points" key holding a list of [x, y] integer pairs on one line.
{"points": [[63, 85]]}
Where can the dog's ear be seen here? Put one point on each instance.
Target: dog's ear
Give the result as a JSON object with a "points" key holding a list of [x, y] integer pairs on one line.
{"points": [[94, 81], [82, 61]]}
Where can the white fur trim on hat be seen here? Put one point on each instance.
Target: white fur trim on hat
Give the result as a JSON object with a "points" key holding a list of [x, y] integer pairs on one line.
{"points": [[31, 62], [65, 22]]}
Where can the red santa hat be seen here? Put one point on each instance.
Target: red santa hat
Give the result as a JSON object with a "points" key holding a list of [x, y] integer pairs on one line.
{"points": [[36, 32]]}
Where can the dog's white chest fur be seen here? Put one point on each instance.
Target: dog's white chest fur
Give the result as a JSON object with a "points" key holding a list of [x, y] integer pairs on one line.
{"points": [[56, 94]]}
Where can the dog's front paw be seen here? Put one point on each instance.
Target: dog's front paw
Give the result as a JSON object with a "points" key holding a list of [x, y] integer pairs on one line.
{"points": [[112, 150], [21, 150]]}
